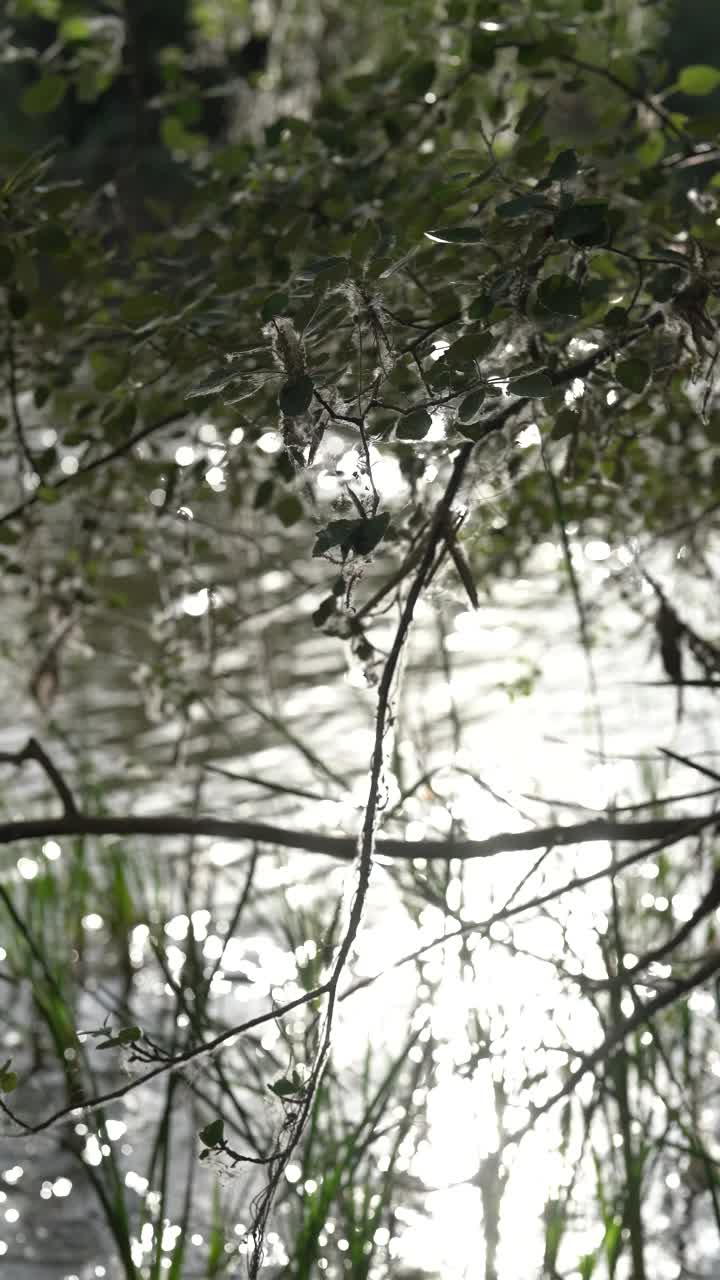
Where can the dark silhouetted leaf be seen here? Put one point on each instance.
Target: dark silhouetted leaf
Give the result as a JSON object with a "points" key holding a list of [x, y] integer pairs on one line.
{"points": [[521, 206], [296, 396], [288, 509], [481, 308], [565, 165], [468, 348], [419, 76], [561, 295], [616, 318], [325, 610], [128, 1035], [263, 494], [482, 50], [276, 305], [633, 374], [470, 407], [413, 426], [531, 385], [212, 1134], [587, 218], [284, 1088], [359, 536]]}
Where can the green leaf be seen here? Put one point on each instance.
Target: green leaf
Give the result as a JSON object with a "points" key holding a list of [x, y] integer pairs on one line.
{"points": [[44, 96], [296, 396], [652, 150], [470, 407], [289, 509], [276, 305], [561, 295], [520, 206], [633, 374], [128, 1035], [457, 235], [7, 262], [213, 1133], [471, 430], [698, 80], [284, 1088], [481, 308], [482, 50], [420, 75], [108, 370], [565, 165], [531, 115], [468, 348], [75, 28], [173, 134], [8, 1081], [370, 533], [413, 426], [585, 219], [664, 283], [616, 318], [531, 385], [359, 536]]}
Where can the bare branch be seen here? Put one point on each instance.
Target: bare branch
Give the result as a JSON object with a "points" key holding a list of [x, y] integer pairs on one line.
{"points": [[345, 847], [33, 751]]}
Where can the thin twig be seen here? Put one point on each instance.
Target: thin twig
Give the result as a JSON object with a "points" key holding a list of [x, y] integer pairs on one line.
{"points": [[33, 751]]}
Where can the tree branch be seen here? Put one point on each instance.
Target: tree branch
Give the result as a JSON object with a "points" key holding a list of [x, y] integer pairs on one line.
{"points": [[33, 751], [73, 823], [141, 434]]}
